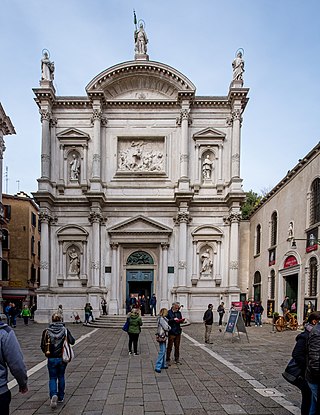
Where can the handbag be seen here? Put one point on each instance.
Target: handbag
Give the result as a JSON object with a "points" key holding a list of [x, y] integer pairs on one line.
{"points": [[161, 338], [292, 372], [125, 327], [67, 351]]}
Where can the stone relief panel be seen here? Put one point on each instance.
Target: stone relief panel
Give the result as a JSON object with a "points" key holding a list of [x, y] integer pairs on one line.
{"points": [[141, 155]]}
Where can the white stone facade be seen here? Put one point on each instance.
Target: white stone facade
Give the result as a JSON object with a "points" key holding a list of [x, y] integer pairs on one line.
{"points": [[140, 190], [284, 229]]}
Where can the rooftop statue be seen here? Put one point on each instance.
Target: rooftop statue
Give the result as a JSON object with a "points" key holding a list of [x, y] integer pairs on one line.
{"points": [[140, 37], [47, 68], [238, 67]]}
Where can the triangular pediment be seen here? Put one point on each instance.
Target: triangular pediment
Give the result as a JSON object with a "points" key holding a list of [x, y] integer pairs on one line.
{"points": [[139, 224], [209, 133], [72, 133]]}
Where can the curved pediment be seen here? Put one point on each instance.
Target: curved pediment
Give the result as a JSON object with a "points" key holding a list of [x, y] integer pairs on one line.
{"points": [[136, 80]]}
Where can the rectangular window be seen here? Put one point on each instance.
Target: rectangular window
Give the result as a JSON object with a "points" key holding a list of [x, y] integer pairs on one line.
{"points": [[7, 212], [33, 219]]}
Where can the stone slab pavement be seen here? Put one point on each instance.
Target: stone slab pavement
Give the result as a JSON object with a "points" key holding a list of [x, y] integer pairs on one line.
{"points": [[230, 376]]}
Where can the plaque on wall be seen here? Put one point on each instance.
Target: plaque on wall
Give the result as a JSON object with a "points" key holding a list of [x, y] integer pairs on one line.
{"points": [[141, 156]]}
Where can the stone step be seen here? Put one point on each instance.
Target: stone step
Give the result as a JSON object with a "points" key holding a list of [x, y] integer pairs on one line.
{"points": [[117, 321]]}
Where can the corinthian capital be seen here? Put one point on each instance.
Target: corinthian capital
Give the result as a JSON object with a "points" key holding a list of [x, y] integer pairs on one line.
{"points": [[182, 217], [96, 115], [45, 216], [45, 115], [2, 147], [184, 115], [236, 115], [95, 217]]}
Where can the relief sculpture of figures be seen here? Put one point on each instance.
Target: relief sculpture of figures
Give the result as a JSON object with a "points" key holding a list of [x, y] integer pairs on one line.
{"points": [[141, 40], [47, 68], [136, 158], [74, 267], [206, 262], [238, 67], [207, 168], [74, 168]]}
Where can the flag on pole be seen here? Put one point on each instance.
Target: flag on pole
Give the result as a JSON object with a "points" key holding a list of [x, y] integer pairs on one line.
{"points": [[134, 18]]}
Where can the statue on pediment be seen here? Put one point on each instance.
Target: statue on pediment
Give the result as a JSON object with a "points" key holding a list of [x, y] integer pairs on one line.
{"points": [[47, 67], [141, 40], [238, 67]]}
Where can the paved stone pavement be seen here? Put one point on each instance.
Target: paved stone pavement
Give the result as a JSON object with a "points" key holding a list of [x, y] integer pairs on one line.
{"points": [[224, 378]]}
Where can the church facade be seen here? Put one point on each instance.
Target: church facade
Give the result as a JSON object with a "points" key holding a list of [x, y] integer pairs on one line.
{"points": [[140, 191]]}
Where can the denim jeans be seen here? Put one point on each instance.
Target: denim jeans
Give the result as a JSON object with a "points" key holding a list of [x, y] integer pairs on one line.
{"points": [[161, 361], [56, 368], [257, 319], [314, 395]]}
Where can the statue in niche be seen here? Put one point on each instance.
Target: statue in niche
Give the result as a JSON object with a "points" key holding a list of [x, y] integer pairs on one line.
{"points": [[238, 67], [290, 231], [74, 262], [207, 168], [74, 168], [47, 68], [207, 262], [141, 40]]}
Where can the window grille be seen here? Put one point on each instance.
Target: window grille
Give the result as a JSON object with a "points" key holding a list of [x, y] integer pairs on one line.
{"points": [[313, 278], [274, 226], [315, 202]]}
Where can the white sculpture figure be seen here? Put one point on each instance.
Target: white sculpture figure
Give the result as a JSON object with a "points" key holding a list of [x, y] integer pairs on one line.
{"points": [[238, 67], [290, 231], [47, 68], [206, 262], [74, 267], [74, 168], [207, 168], [141, 40]]}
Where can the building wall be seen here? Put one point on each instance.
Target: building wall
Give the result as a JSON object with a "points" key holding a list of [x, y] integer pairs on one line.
{"points": [[291, 200]]}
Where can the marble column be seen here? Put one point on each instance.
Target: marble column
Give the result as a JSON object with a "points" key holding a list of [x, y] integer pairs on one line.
{"points": [[45, 219], [235, 151], [164, 276], [95, 218], [113, 304], [183, 218], [234, 248], [45, 143]]}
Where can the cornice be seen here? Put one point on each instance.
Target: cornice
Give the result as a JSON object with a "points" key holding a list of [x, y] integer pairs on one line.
{"points": [[6, 125], [145, 103]]}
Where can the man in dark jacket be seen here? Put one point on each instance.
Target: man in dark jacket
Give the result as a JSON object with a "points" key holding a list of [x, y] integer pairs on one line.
{"points": [[10, 356], [174, 319], [52, 346], [313, 368], [208, 321], [153, 303]]}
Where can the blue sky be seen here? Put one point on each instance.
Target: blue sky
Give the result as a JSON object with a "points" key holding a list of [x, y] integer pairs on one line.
{"points": [[281, 40]]}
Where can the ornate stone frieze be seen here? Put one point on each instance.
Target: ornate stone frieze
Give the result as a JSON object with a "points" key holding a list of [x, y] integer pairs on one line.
{"points": [[141, 155], [95, 265], [44, 265], [182, 264], [2, 147], [234, 265]]}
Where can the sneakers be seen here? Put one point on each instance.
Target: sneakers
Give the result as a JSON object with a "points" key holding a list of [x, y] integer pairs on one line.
{"points": [[136, 354], [130, 353], [60, 400], [157, 370], [53, 402], [177, 362]]}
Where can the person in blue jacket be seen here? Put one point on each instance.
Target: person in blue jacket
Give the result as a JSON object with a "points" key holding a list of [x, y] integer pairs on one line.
{"points": [[174, 319]]}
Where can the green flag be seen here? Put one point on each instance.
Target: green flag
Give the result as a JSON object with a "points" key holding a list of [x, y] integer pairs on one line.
{"points": [[134, 18]]}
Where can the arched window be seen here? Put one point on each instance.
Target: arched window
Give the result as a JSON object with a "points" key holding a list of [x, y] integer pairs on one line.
{"points": [[257, 286], [272, 285], [274, 229], [315, 202], [5, 239], [5, 270], [313, 277], [139, 258], [258, 239]]}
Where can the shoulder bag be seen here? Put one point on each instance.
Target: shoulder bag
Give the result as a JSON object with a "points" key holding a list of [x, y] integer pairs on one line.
{"points": [[67, 351], [125, 327], [292, 372]]}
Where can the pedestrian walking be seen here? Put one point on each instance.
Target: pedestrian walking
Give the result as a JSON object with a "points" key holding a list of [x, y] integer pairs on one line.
{"points": [[26, 314], [104, 307], [135, 323], [161, 337], [153, 304], [87, 313], [10, 357], [258, 310], [221, 310], [208, 321], [52, 346], [13, 315], [248, 311], [60, 311], [285, 305], [7, 313], [299, 354], [174, 319]]}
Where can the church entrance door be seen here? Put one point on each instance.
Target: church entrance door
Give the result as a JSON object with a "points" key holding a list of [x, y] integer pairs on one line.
{"points": [[140, 282]]}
